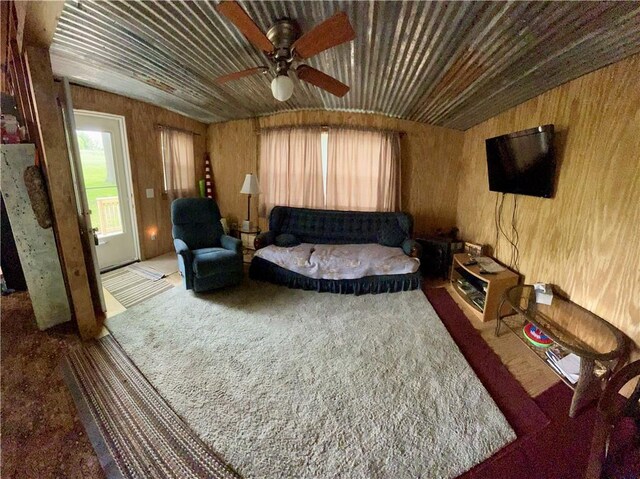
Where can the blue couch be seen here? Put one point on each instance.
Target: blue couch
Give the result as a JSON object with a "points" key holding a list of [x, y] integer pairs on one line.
{"points": [[335, 227], [207, 258]]}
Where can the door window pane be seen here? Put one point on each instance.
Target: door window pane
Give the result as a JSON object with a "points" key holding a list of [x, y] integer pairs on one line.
{"points": [[98, 170]]}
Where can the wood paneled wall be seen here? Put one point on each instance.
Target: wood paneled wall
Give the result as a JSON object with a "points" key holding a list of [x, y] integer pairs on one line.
{"points": [[586, 239], [153, 214], [430, 156]]}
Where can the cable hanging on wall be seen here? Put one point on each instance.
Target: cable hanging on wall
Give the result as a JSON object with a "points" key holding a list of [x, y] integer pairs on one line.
{"points": [[515, 237], [512, 236], [496, 243]]}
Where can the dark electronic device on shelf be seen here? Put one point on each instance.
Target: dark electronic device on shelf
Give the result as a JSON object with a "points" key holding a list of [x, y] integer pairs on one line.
{"points": [[523, 162]]}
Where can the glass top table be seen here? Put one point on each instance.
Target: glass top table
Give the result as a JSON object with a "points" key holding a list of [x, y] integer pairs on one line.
{"points": [[572, 327]]}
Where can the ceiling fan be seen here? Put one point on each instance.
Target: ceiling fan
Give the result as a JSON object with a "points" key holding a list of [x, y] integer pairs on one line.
{"points": [[284, 44]]}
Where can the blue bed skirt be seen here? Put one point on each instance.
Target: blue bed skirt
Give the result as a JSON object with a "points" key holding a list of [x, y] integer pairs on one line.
{"points": [[264, 270]]}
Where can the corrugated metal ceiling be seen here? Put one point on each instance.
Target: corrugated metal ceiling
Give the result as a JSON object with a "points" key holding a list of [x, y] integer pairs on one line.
{"points": [[452, 64]]}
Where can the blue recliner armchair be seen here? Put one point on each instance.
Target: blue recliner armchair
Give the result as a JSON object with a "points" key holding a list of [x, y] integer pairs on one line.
{"points": [[207, 258]]}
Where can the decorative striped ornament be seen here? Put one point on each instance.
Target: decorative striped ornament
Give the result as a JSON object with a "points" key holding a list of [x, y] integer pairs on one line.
{"points": [[208, 177]]}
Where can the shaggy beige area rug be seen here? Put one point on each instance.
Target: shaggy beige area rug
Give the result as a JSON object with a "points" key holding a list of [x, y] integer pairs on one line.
{"points": [[296, 384]]}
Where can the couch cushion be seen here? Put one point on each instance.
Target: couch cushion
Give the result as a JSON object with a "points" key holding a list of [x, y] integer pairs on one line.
{"points": [[390, 234], [340, 261], [286, 240], [211, 261], [334, 227]]}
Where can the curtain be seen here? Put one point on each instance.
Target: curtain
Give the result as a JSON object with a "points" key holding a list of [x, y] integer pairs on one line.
{"points": [[178, 163], [363, 170], [291, 168]]}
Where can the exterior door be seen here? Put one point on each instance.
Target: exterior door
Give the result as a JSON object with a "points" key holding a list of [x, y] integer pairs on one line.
{"points": [[107, 186]]}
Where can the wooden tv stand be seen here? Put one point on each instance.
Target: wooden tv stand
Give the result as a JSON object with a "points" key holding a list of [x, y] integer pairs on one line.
{"points": [[483, 292]]}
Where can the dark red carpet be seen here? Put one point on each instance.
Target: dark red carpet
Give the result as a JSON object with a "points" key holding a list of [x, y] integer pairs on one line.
{"points": [[550, 444]]}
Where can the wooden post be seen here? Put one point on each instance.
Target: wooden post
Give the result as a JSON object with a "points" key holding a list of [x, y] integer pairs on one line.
{"points": [[55, 157]]}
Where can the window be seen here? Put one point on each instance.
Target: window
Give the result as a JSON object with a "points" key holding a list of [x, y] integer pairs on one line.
{"points": [[100, 182], [178, 164], [291, 168], [341, 169], [363, 170]]}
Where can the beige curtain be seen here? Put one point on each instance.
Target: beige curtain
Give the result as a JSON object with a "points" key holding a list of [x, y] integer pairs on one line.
{"points": [[178, 163], [290, 168], [363, 170]]}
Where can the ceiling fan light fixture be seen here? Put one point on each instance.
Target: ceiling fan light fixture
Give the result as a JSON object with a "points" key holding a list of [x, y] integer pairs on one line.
{"points": [[282, 87], [284, 45]]}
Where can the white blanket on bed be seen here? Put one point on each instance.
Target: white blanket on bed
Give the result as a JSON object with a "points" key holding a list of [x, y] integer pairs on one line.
{"points": [[350, 261]]}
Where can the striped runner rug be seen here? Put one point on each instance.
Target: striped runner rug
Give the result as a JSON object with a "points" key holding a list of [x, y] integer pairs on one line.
{"points": [[146, 271], [130, 288], [133, 430]]}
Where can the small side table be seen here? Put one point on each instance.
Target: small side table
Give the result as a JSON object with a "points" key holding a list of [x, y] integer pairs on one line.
{"points": [[248, 238], [437, 254]]}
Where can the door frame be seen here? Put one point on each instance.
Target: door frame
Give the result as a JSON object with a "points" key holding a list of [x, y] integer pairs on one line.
{"points": [[122, 125]]}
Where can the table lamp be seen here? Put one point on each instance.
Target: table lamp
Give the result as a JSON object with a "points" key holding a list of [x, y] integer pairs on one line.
{"points": [[249, 187]]}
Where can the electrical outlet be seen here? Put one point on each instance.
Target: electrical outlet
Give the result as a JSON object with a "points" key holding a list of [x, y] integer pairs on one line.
{"points": [[149, 192]]}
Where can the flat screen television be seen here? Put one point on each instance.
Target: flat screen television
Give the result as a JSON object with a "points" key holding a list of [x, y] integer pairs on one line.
{"points": [[523, 163]]}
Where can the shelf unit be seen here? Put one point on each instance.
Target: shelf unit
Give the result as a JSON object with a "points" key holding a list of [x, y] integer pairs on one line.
{"points": [[516, 323], [481, 291]]}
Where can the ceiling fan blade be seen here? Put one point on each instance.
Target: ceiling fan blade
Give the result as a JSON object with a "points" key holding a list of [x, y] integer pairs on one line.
{"points": [[330, 33], [322, 80], [236, 14], [240, 74]]}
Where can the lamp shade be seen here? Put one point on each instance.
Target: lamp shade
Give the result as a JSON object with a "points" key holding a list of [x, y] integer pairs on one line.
{"points": [[282, 87], [250, 185]]}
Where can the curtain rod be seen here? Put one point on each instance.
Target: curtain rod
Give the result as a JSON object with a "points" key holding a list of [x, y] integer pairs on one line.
{"points": [[328, 127], [158, 126]]}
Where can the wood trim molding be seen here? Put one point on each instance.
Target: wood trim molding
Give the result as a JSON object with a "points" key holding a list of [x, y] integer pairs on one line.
{"points": [[55, 158]]}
